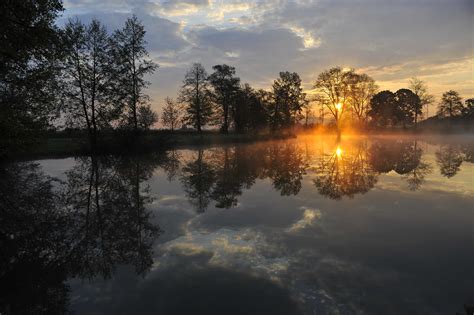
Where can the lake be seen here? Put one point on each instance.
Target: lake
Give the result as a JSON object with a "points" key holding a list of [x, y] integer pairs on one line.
{"points": [[364, 225]]}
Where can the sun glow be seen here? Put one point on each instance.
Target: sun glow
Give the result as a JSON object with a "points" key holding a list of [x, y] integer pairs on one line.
{"points": [[338, 152], [338, 106]]}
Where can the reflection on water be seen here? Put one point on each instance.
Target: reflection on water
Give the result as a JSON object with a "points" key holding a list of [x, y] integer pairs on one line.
{"points": [[318, 226], [83, 226]]}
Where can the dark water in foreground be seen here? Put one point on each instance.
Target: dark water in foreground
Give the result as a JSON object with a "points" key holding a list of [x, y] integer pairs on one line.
{"points": [[307, 226]]}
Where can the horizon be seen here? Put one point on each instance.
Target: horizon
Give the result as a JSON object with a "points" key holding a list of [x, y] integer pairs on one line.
{"points": [[392, 42]]}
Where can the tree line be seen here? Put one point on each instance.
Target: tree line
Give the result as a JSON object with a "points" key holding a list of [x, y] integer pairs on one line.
{"points": [[219, 99], [82, 76]]}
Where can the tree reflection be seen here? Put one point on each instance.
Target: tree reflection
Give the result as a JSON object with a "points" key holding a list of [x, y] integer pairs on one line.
{"points": [[171, 164], [108, 205], [222, 173], [286, 166], [83, 227], [198, 180], [34, 242], [403, 157], [344, 173], [449, 158]]}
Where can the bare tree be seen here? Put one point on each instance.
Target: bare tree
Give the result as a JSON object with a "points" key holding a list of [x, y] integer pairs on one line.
{"points": [[171, 114], [334, 87], [361, 91], [421, 90]]}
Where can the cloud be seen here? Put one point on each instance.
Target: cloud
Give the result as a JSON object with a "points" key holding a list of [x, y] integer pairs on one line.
{"points": [[394, 40]]}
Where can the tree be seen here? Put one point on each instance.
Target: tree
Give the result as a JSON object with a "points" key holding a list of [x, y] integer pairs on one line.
{"points": [[361, 92], [195, 93], [87, 78], [30, 52], [334, 87], [249, 111], [408, 106], [225, 87], [383, 109], [288, 100], [421, 90], [171, 114], [308, 114], [146, 117], [450, 105], [131, 65], [469, 108]]}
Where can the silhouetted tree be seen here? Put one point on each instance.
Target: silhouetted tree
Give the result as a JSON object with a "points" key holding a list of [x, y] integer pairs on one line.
{"points": [[171, 115], [383, 109], [468, 110], [87, 73], [361, 92], [334, 87], [450, 105], [131, 63], [421, 90], [250, 109], [288, 100], [225, 87], [146, 117], [30, 52], [408, 106], [195, 94]]}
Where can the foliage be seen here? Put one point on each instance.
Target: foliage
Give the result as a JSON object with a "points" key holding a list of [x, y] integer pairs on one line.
{"points": [[130, 64], [421, 90], [334, 87], [225, 88], [89, 102], [289, 100], [30, 51], [171, 114], [361, 91], [450, 105], [195, 93], [408, 106]]}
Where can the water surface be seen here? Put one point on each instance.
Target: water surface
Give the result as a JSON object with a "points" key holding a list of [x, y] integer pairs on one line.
{"points": [[305, 226]]}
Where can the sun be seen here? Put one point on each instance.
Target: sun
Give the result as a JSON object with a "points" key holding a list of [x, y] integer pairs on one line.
{"points": [[338, 106], [338, 152]]}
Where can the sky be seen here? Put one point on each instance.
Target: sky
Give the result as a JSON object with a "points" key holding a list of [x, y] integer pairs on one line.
{"points": [[391, 40]]}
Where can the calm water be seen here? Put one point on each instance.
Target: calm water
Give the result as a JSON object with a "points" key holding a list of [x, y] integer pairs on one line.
{"points": [[306, 226]]}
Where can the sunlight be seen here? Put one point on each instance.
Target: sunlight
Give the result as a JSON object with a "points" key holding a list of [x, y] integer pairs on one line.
{"points": [[338, 152], [338, 107]]}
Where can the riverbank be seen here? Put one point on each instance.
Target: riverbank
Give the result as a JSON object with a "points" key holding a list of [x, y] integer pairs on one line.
{"points": [[61, 144]]}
